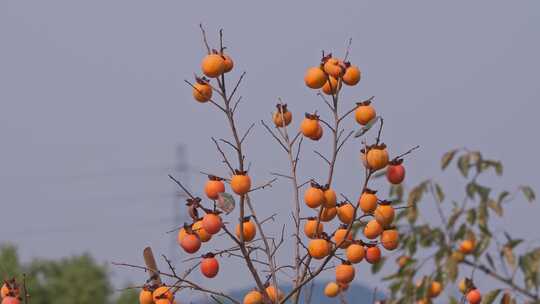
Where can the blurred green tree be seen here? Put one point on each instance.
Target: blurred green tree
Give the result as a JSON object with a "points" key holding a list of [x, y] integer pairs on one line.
{"points": [[73, 280]]}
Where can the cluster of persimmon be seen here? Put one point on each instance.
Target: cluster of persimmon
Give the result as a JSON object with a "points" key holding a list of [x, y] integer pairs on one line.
{"points": [[213, 65], [328, 76], [10, 292], [202, 229], [468, 289], [154, 294]]}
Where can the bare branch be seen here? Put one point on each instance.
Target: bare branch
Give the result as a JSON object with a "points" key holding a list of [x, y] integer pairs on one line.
{"points": [[225, 160], [236, 86], [205, 40], [322, 156], [247, 132], [274, 135], [181, 186]]}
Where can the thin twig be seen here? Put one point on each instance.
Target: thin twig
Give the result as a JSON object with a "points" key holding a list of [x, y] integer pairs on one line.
{"points": [[181, 186], [322, 156], [204, 38], [274, 135], [247, 132]]}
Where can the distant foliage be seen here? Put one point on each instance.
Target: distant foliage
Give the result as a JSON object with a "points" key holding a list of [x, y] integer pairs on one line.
{"points": [[465, 243]]}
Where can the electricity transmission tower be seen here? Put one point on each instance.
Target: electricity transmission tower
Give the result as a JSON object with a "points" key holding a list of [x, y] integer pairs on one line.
{"points": [[182, 173]]}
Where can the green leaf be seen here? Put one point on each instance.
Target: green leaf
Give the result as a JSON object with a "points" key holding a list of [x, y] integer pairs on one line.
{"points": [[490, 261], [366, 128], [463, 164], [378, 266], [411, 244], [490, 296], [498, 168], [225, 202], [528, 192], [396, 191], [378, 174], [456, 213], [471, 216], [470, 189], [453, 300], [502, 196], [484, 229], [513, 243], [447, 158], [495, 206], [452, 269], [509, 256], [439, 193]]}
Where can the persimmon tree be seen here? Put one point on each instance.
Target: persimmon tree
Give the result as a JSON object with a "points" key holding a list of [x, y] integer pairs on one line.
{"points": [[465, 242], [324, 215]]}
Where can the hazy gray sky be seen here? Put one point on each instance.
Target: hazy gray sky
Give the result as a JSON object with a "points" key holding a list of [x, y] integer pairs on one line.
{"points": [[93, 104]]}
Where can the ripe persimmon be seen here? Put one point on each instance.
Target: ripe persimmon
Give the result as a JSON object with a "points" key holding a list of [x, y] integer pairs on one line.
{"points": [[274, 294], [191, 243], [250, 230], [315, 78], [145, 296], [331, 289], [314, 196], [435, 289], [373, 229], [311, 229], [344, 273], [209, 265], [213, 187], [345, 213], [403, 260], [474, 296], [331, 86], [364, 113], [9, 288], [282, 117], [310, 125], [355, 253], [395, 173], [181, 234], [198, 228], [202, 91], [11, 300], [240, 182], [318, 135], [368, 201], [229, 63], [373, 254], [352, 75], [467, 246], [384, 214], [253, 297], [328, 214], [213, 65], [319, 248], [162, 292], [212, 223], [334, 67], [343, 237], [377, 157], [330, 197]]}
